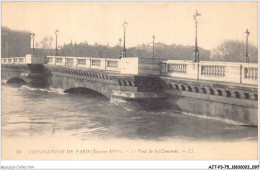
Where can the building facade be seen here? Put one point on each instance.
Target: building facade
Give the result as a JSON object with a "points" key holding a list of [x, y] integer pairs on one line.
{"points": [[15, 43]]}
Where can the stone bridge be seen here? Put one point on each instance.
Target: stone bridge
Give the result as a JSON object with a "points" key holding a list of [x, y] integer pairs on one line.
{"points": [[26, 73], [216, 90], [108, 83]]}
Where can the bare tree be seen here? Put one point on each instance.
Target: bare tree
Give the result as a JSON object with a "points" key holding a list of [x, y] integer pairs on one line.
{"points": [[234, 51], [46, 42]]}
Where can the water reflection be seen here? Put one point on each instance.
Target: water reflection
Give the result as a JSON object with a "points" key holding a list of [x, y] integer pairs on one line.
{"points": [[28, 111]]}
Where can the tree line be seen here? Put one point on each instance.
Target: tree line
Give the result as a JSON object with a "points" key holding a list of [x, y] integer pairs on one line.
{"points": [[164, 51], [235, 51], [228, 51]]}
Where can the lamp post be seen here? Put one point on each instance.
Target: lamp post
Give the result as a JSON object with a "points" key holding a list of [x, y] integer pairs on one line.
{"points": [[56, 49], [120, 55], [247, 57], [153, 44], [33, 35], [196, 54], [124, 49], [4, 47]]}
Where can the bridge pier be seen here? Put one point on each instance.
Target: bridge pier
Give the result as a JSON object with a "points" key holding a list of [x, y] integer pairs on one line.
{"points": [[226, 102], [28, 73]]}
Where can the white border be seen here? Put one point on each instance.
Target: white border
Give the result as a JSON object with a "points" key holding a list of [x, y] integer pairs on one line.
{"points": [[167, 164]]}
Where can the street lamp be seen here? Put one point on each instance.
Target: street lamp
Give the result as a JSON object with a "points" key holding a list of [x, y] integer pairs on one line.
{"points": [[56, 49], [120, 40], [33, 35], [4, 47], [196, 54], [153, 44], [124, 49], [247, 57]]}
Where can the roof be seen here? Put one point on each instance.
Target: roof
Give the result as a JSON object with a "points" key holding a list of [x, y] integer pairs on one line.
{"points": [[6, 29]]}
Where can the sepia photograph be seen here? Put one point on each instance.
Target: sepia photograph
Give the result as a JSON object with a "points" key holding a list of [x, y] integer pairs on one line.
{"points": [[148, 80]]}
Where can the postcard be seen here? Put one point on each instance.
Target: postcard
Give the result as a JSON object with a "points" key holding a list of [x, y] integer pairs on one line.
{"points": [[129, 80]]}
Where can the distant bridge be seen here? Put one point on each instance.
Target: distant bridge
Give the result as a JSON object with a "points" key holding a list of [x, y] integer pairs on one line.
{"points": [[219, 90]]}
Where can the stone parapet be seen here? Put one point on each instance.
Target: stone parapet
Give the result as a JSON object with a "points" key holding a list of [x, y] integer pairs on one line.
{"points": [[232, 72]]}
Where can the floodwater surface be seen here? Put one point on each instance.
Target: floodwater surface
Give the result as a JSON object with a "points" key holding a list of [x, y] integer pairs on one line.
{"points": [[29, 111], [38, 124]]}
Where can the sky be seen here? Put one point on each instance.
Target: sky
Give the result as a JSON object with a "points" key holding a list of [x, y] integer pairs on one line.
{"points": [[101, 22]]}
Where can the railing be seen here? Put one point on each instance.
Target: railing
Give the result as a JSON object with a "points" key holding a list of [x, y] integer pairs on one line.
{"points": [[14, 60], [96, 63], [112, 64], [129, 65], [85, 62], [215, 71], [251, 73], [28, 59], [242, 73], [82, 61], [70, 62], [177, 68]]}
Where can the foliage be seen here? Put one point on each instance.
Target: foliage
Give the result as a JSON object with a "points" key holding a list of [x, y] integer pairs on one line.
{"points": [[234, 51], [144, 51], [46, 43]]}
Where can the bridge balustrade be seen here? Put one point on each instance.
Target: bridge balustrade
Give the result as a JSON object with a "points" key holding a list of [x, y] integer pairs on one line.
{"points": [[60, 61], [22, 60], [242, 73], [215, 71], [85, 62], [98, 63], [113, 64], [250, 73], [28, 59], [50, 60], [10, 60], [4, 61], [71, 61], [179, 68], [14, 60], [129, 65]]}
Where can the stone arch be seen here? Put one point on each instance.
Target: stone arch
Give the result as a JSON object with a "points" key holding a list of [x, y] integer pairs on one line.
{"points": [[69, 82], [16, 80], [87, 91]]}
